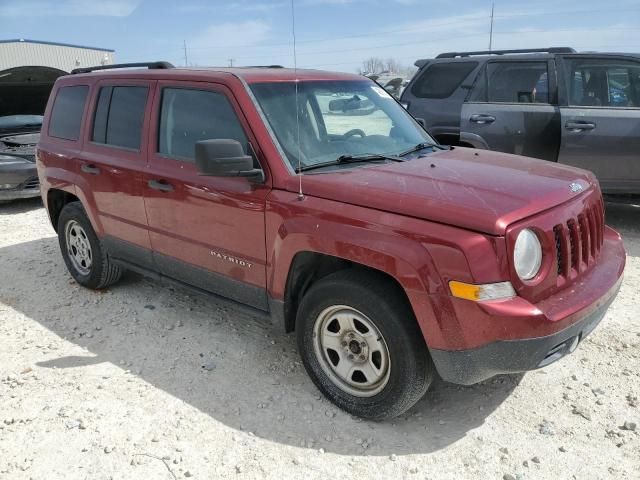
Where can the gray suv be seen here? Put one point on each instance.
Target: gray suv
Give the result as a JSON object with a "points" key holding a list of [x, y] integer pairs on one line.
{"points": [[580, 109]]}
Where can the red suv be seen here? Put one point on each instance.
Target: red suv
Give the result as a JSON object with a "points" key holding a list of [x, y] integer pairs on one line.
{"points": [[316, 198]]}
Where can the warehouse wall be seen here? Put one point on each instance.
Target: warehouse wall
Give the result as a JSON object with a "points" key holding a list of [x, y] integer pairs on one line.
{"points": [[63, 57]]}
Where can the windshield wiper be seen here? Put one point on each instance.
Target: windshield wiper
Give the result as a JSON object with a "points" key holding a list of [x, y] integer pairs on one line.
{"points": [[361, 158], [422, 146]]}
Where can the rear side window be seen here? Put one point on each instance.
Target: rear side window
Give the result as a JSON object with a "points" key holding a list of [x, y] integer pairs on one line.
{"points": [[66, 115], [440, 80], [188, 116], [513, 82], [119, 116]]}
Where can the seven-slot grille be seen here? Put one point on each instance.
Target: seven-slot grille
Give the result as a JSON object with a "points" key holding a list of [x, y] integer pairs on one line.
{"points": [[579, 240]]}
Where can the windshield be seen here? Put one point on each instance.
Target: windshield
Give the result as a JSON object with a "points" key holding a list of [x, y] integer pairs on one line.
{"points": [[336, 118], [10, 122]]}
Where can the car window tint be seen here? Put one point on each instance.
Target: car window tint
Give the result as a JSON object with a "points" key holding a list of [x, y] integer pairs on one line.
{"points": [[604, 83], [479, 90], [119, 116], [66, 115], [440, 80], [100, 117], [517, 82], [188, 116]]}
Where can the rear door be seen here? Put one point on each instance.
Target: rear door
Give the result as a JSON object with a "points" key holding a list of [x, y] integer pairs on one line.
{"points": [[113, 164], [208, 232], [601, 119], [513, 108]]}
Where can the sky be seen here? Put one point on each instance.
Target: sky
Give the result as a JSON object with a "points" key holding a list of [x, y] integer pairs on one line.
{"points": [[330, 34]]}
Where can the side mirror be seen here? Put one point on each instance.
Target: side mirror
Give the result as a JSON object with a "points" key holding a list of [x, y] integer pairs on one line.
{"points": [[225, 158]]}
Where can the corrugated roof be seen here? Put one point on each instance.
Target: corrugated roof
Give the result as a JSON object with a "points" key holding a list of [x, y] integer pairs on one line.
{"points": [[42, 42]]}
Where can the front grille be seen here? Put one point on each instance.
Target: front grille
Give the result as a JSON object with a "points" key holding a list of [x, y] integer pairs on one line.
{"points": [[579, 240], [31, 184]]}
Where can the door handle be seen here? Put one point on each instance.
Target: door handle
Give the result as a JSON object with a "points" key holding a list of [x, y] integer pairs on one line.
{"points": [[579, 126], [90, 169], [482, 119], [161, 185]]}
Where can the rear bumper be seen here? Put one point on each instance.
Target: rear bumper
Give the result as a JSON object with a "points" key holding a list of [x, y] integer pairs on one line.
{"points": [[467, 367]]}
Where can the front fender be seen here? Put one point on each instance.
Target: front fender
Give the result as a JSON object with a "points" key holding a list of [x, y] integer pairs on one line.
{"points": [[396, 245]]}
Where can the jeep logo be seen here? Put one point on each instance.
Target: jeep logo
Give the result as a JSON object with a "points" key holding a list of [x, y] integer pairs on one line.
{"points": [[229, 258], [576, 187]]}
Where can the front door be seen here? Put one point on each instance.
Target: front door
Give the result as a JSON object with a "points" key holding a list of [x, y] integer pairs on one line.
{"points": [[512, 108], [601, 120], [208, 232]]}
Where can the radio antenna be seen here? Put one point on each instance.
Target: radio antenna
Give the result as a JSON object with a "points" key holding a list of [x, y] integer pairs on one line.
{"points": [[297, 80]]}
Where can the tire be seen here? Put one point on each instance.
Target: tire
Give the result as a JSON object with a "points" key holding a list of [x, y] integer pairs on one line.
{"points": [[341, 304], [84, 255]]}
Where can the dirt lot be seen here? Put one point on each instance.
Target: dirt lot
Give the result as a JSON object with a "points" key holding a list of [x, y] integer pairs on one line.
{"points": [[147, 382]]}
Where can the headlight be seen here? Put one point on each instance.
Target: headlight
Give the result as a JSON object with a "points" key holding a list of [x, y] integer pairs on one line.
{"points": [[9, 160], [527, 255]]}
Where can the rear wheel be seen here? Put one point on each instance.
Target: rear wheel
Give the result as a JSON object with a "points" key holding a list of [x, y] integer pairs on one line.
{"points": [[82, 251], [361, 345]]}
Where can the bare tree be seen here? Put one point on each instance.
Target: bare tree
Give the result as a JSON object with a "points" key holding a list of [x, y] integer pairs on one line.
{"points": [[372, 65], [392, 65], [376, 65]]}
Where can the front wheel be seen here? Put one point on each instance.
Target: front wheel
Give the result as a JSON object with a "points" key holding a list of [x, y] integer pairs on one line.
{"points": [[361, 345]]}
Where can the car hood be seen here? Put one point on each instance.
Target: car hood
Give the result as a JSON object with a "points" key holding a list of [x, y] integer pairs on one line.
{"points": [[20, 145], [474, 189], [25, 90]]}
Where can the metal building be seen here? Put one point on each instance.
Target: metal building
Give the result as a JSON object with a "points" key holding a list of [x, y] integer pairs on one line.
{"points": [[62, 56]]}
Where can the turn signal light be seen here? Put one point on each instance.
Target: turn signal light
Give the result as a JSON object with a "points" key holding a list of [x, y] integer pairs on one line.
{"points": [[479, 293]]}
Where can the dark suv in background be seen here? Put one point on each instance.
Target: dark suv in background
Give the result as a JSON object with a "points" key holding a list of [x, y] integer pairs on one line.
{"points": [[579, 109]]}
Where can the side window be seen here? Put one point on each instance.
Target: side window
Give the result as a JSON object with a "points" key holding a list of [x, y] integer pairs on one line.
{"points": [[66, 115], [119, 116], [517, 82], [440, 80], [188, 116], [604, 83]]}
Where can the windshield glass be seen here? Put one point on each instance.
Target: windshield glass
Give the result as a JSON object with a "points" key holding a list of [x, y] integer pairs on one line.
{"points": [[336, 118], [20, 121]]}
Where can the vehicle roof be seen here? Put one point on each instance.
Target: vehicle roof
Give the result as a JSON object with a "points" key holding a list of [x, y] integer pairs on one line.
{"points": [[517, 56], [248, 74]]}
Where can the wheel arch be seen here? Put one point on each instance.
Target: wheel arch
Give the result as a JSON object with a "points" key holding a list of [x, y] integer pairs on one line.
{"points": [[56, 201], [308, 267], [57, 198]]}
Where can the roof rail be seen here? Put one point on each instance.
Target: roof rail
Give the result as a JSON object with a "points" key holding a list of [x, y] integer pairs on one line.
{"points": [[264, 66], [503, 52], [149, 65]]}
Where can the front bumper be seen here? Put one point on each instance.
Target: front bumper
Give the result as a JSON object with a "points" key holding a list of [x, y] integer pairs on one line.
{"points": [[466, 367], [515, 336], [23, 176]]}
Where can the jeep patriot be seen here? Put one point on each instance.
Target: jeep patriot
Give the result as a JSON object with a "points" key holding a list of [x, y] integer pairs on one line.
{"points": [[316, 198]]}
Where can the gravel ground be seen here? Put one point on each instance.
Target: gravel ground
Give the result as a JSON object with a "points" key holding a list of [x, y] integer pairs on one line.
{"points": [[147, 382]]}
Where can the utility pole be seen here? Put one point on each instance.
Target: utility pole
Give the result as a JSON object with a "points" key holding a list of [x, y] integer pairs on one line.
{"points": [[491, 28], [231, 60], [184, 44]]}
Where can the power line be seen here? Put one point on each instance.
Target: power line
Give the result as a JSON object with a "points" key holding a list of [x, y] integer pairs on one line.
{"points": [[461, 21], [417, 43]]}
